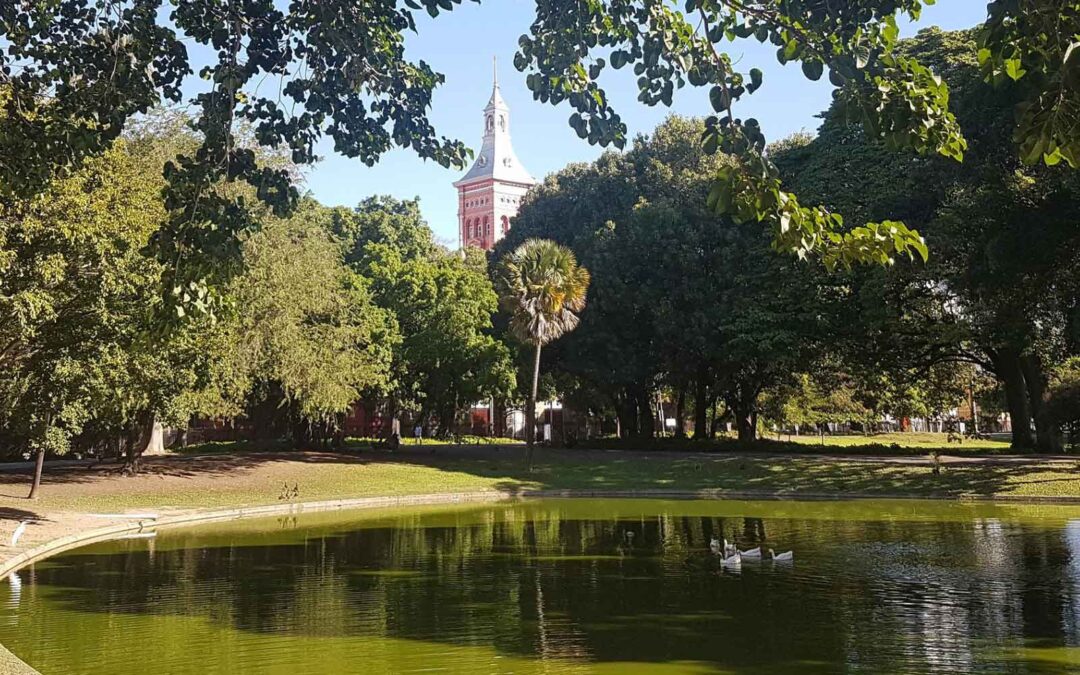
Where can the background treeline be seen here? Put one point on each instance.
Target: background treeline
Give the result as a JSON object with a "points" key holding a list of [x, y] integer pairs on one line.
{"points": [[302, 316], [316, 311], [704, 311]]}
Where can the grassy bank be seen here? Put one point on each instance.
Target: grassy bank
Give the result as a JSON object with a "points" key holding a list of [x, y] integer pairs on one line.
{"points": [[229, 479], [890, 444]]}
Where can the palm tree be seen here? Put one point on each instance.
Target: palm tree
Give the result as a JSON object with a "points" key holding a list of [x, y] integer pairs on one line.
{"points": [[541, 285]]}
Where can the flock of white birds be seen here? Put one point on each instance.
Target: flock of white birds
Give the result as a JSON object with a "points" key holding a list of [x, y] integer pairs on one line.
{"points": [[731, 556]]}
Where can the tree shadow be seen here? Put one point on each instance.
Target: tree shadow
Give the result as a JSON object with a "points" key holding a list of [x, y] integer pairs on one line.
{"points": [[8, 513]]}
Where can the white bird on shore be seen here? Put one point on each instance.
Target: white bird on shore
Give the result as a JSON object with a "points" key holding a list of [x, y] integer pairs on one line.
{"points": [[734, 560], [754, 553], [19, 532], [786, 556]]}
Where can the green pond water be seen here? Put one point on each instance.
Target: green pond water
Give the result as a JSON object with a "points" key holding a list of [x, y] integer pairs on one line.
{"points": [[568, 586]]}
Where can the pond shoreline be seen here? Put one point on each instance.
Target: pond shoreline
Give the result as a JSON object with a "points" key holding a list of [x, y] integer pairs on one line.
{"points": [[74, 534]]}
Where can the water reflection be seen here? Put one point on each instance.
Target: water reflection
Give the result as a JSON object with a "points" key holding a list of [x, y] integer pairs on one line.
{"points": [[561, 585]]}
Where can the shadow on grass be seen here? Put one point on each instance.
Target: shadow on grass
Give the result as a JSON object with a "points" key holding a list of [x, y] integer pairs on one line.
{"points": [[503, 467], [7, 513]]}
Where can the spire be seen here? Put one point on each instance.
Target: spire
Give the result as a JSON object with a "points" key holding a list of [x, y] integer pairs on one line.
{"points": [[496, 159], [496, 96]]}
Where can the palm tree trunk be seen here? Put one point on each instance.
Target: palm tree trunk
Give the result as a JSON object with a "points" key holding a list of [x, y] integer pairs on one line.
{"points": [[530, 411]]}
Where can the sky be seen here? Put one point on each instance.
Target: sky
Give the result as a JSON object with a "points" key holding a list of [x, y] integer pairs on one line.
{"points": [[461, 44]]}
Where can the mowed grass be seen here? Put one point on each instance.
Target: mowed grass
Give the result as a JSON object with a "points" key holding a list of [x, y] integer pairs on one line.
{"points": [[923, 442], [225, 480], [889, 444]]}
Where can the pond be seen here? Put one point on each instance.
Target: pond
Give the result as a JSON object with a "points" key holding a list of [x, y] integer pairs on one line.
{"points": [[568, 586]]}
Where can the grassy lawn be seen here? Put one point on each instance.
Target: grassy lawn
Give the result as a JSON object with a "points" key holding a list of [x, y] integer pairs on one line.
{"points": [[351, 444], [909, 443], [257, 478]]}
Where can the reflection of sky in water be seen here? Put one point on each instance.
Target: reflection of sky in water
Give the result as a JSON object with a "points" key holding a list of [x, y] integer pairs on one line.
{"points": [[512, 588]]}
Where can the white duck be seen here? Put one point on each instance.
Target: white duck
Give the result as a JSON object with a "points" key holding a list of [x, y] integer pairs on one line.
{"points": [[753, 554], [734, 560], [786, 556], [714, 545], [729, 549]]}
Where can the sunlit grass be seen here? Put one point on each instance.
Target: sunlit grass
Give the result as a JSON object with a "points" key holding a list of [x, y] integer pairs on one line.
{"points": [[226, 480]]}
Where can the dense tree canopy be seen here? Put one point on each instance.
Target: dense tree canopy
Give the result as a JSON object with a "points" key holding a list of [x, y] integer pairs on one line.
{"points": [[443, 303], [1001, 288], [73, 73], [680, 297]]}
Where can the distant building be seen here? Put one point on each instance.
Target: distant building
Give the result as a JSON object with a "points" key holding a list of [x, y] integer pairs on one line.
{"points": [[490, 193]]}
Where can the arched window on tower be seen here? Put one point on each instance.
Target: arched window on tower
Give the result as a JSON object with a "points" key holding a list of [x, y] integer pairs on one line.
{"points": [[505, 224], [468, 228], [487, 227]]}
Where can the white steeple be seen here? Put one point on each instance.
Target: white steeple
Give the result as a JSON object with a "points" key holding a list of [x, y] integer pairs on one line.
{"points": [[496, 159]]}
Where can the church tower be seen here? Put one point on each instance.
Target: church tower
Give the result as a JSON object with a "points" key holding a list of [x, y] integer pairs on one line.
{"points": [[490, 193]]}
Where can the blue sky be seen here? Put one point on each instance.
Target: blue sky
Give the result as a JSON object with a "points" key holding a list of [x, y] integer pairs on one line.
{"points": [[460, 44]]}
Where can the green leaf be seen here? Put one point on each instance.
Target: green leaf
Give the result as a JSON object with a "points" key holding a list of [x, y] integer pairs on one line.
{"points": [[1014, 68], [812, 69], [755, 80]]}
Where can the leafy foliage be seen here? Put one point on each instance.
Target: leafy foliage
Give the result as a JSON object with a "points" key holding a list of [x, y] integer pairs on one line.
{"points": [[542, 287], [442, 304], [1037, 43], [1000, 291], [680, 296], [74, 72], [306, 322]]}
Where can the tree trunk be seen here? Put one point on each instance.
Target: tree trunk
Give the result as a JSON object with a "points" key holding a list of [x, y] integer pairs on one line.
{"points": [[39, 465], [156, 444], [1007, 364], [138, 439], [646, 421], [626, 411], [745, 421], [701, 409], [530, 411], [680, 413], [1048, 436]]}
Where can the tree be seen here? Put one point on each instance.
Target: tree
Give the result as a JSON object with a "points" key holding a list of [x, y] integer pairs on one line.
{"points": [[305, 324], [1063, 397], [442, 302], [681, 297], [1000, 291], [543, 288], [80, 361]]}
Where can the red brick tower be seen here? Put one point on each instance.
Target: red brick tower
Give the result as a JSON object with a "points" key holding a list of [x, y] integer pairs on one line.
{"points": [[490, 193]]}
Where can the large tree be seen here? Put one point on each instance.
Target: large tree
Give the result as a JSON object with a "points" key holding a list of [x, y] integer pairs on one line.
{"points": [[303, 324], [1001, 288], [543, 289], [681, 297], [80, 360], [442, 302]]}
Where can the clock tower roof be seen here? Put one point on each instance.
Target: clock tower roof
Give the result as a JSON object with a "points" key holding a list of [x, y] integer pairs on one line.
{"points": [[496, 159]]}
